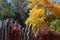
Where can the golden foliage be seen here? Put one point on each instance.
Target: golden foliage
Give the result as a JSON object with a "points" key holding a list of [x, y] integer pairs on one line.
{"points": [[55, 7], [36, 18], [54, 12], [37, 14], [32, 0]]}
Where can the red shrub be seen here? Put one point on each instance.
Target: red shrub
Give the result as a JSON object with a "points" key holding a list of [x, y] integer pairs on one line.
{"points": [[47, 34]]}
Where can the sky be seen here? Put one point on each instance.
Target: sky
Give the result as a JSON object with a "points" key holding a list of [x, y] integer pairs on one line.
{"points": [[51, 0], [9, 0], [55, 0]]}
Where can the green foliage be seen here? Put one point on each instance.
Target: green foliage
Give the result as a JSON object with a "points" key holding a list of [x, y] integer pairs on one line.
{"points": [[14, 9], [55, 25], [20, 9], [6, 13]]}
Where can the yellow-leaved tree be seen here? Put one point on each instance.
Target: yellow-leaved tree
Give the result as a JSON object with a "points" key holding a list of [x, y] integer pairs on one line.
{"points": [[52, 6], [36, 18], [37, 15]]}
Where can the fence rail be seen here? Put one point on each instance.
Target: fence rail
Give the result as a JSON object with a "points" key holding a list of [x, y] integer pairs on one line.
{"points": [[23, 34]]}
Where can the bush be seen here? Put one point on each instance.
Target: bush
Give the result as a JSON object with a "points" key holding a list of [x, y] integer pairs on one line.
{"points": [[55, 25]]}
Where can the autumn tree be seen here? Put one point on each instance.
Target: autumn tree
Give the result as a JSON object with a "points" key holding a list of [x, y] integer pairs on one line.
{"points": [[37, 18], [40, 10]]}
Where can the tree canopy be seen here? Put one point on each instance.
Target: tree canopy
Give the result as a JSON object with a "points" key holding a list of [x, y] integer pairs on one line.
{"points": [[40, 12]]}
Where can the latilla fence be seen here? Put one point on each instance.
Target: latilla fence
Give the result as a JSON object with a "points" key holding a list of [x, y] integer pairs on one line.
{"points": [[7, 33]]}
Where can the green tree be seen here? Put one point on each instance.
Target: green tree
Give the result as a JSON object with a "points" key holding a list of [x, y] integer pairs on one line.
{"points": [[6, 13], [5, 9], [20, 10], [15, 8], [55, 25]]}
